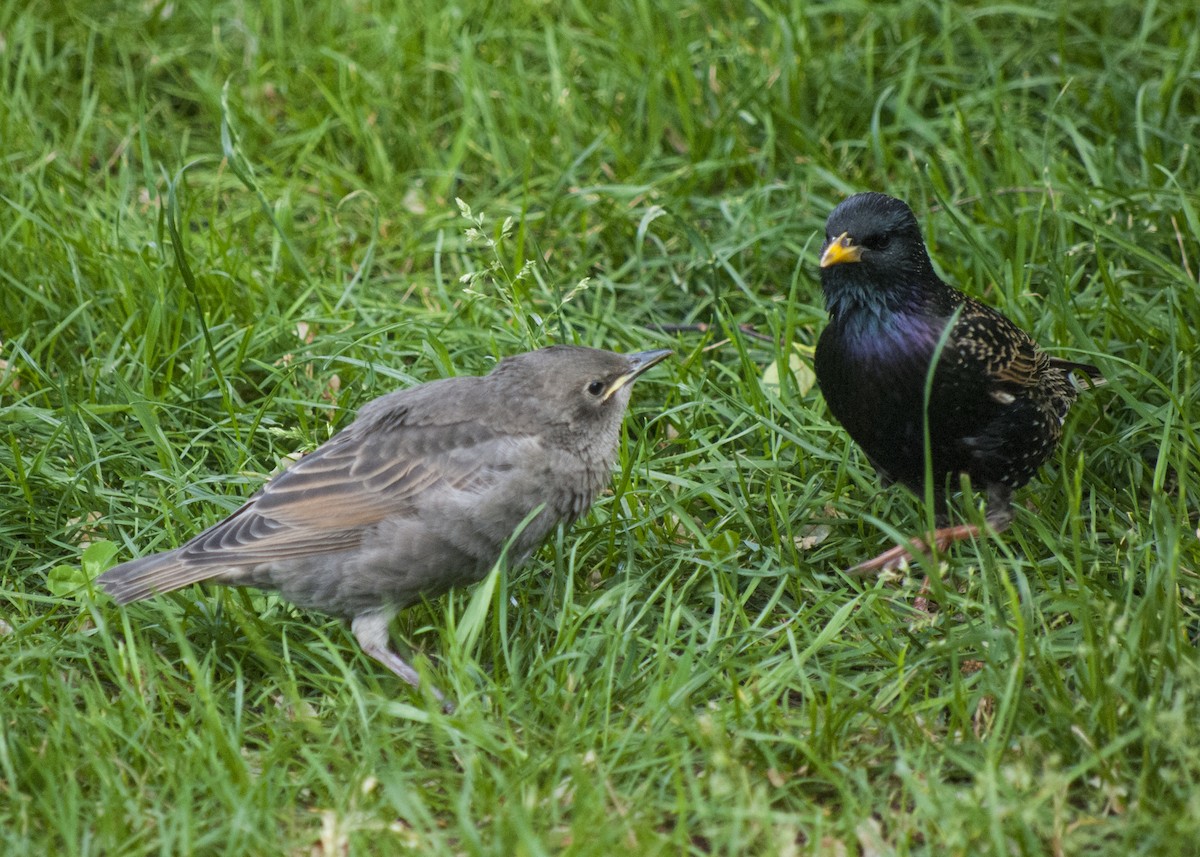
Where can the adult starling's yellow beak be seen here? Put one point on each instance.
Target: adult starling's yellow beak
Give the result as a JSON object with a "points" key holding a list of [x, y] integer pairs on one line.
{"points": [[841, 249]]}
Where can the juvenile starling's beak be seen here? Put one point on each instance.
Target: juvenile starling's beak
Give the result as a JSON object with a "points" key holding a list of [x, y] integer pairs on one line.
{"points": [[841, 249], [639, 362]]}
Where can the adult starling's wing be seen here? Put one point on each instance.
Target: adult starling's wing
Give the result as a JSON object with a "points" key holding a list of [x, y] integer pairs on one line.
{"points": [[1073, 370], [988, 344], [326, 501], [989, 348]]}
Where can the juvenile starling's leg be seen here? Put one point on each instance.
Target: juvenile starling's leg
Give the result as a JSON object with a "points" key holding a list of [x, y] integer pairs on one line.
{"points": [[371, 631], [999, 516]]}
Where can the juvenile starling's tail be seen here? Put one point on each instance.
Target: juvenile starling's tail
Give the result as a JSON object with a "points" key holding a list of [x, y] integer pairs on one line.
{"points": [[162, 572], [1094, 378]]}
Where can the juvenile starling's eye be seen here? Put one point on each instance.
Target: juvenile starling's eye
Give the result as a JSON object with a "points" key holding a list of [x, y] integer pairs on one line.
{"points": [[595, 388]]}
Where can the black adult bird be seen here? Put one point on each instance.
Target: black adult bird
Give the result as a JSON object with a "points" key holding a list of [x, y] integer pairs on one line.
{"points": [[421, 493], [996, 401]]}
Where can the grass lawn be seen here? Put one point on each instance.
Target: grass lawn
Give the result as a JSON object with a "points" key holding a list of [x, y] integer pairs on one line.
{"points": [[225, 226]]}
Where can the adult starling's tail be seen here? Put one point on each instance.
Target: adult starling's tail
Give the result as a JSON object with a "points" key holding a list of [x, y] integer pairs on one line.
{"points": [[162, 572], [1094, 378]]}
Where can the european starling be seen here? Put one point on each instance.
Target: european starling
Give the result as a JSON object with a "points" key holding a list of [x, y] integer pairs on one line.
{"points": [[419, 494], [996, 402]]}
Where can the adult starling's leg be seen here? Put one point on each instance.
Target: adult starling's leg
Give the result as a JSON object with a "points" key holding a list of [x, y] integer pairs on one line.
{"points": [[999, 507], [999, 516], [942, 538], [371, 631]]}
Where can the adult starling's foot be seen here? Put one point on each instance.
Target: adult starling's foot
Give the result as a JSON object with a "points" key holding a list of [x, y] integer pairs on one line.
{"points": [[943, 537]]}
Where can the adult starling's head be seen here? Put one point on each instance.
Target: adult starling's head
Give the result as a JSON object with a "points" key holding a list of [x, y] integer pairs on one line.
{"points": [[874, 256]]}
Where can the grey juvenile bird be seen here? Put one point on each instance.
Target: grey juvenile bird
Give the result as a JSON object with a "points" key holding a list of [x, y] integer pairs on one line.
{"points": [[419, 494], [996, 400]]}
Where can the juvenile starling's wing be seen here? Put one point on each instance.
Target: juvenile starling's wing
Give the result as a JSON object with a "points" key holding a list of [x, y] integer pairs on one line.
{"points": [[327, 500]]}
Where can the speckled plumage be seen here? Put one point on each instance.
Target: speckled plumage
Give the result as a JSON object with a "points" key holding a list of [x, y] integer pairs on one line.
{"points": [[996, 400]]}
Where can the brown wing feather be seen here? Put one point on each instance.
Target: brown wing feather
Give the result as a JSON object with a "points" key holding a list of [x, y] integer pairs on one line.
{"points": [[325, 502], [1002, 350]]}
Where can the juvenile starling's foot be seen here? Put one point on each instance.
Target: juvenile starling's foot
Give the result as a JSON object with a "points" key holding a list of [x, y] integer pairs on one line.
{"points": [[371, 631], [943, 537]]}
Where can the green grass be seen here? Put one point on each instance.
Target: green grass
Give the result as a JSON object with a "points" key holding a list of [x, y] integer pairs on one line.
{"points": [[226, 226]]}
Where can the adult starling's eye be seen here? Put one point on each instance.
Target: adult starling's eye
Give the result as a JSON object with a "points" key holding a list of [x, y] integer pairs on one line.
{"points": [[875, 242], [595, 388]]}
